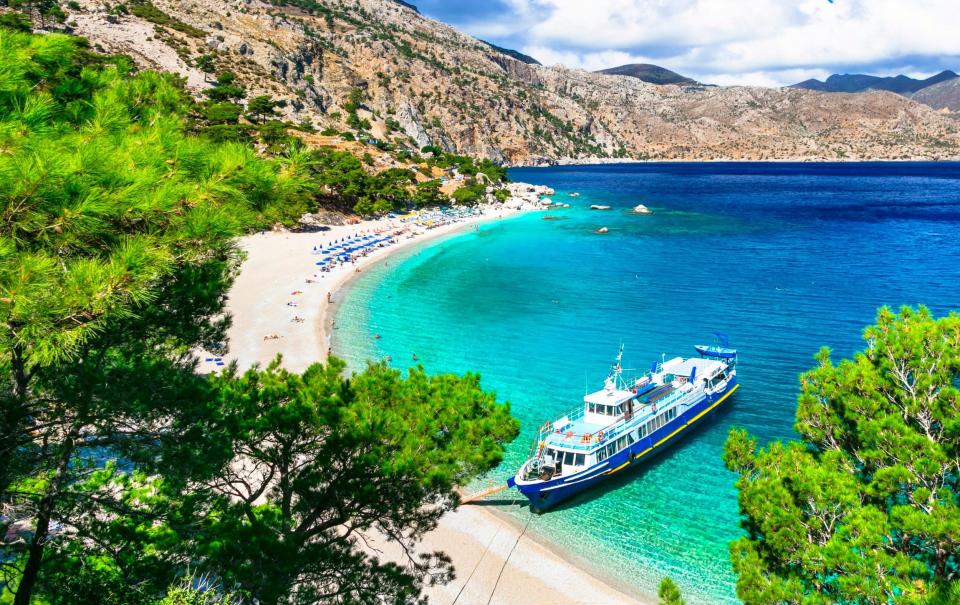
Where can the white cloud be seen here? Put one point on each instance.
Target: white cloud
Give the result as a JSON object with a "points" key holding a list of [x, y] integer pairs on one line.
{"points": [[738, 41]]}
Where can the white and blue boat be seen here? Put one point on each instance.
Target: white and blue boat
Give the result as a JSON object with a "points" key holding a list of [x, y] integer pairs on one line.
{"points": [[625, 424]]}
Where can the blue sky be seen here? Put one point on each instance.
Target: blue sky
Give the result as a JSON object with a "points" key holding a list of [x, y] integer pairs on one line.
{"points": [[764, 42]]}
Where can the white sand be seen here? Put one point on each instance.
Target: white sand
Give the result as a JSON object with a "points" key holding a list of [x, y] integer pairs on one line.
{"points": [[278, 265], [495, 564]]}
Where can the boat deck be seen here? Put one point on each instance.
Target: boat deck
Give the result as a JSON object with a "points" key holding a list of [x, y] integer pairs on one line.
{"points": [[574, 433]]}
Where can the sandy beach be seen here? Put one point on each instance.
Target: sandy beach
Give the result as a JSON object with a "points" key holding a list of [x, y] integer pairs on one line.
{"points": [[281, 303]]}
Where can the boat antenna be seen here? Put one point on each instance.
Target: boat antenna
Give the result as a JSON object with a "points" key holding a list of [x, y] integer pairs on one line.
{"points": [[613, 379]]}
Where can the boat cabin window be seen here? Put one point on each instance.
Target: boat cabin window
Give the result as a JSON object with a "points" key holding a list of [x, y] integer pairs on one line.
{"points": [[603, 410], [568, 458], [579, 460]]}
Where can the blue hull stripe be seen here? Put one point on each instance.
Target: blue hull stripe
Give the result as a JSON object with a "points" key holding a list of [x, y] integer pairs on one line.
{"points": [[570, 481]]}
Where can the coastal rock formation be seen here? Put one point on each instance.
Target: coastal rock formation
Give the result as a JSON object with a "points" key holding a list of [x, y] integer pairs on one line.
{"points": [[424, 83]]}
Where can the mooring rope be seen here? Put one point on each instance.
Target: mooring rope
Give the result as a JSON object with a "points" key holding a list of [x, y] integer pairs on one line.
{"points": [[510, 554]]}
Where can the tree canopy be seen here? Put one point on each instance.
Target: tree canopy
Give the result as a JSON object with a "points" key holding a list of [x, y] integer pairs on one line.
{"points": [[864, 508], [117, 459], [669, 592]]}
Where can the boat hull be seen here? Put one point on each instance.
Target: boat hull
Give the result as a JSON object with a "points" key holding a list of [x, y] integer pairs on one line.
{"points": [[544, 495]]}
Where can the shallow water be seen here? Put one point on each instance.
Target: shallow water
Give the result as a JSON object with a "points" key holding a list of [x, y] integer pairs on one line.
{"points": [[784, 258]]}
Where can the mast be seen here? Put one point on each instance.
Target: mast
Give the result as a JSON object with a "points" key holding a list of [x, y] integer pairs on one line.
{"points": [[613, 378]]}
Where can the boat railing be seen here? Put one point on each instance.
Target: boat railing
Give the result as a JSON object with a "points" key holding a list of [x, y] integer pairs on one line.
{"points": [[587, 441]]}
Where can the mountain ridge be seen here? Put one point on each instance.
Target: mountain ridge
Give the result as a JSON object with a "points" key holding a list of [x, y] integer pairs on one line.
{"points": [[941, 96], [653, 74], [424, 83], [513, 54], [899, 84]]}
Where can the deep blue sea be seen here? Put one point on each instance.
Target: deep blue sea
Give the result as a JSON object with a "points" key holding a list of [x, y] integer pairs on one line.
{"points": [[783, 258]]}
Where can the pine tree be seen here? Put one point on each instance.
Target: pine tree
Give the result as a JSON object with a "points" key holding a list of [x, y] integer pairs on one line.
{"points": [[669, 593], [115, 254], [864, 509]]}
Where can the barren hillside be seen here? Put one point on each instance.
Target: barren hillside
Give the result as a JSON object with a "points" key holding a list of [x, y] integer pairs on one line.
{"points": [[424, 83]]}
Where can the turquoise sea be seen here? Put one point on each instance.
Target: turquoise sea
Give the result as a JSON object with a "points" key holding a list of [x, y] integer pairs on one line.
{"points": [[784, 258]]}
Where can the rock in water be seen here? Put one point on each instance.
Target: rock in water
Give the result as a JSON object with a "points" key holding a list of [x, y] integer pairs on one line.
{"points": [[641, 209], [602, 230], [599, 207]]}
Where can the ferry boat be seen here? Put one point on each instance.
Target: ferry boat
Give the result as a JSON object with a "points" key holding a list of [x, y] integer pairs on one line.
{"points": [[625, 423]]}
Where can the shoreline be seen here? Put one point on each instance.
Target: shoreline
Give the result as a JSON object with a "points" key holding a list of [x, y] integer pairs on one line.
{"points": [[496, 559], [340, 289], [574, 162], [279, 301]]}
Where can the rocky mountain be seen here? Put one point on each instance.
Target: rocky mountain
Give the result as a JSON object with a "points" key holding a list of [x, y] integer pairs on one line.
{"points": [[901, 84], [943, 95], [654, 74], [519, 56], [403, 78]]}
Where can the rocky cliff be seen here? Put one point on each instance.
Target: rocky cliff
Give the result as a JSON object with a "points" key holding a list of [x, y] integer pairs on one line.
{"points": [[424, 83]]}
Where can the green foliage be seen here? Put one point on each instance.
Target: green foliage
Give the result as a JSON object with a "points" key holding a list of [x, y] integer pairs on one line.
{"points": [[865, 508], [38, 9], [225, 90], [16, 21], [114, 263], [188, 594], [470, 193], [320, 454], [146, 10], [274, 134], [353, 121], [205, 63], [345, 183], [262, 107], [428, 194], [222, 113], [669, 593], [466, 165], [354, 100]]}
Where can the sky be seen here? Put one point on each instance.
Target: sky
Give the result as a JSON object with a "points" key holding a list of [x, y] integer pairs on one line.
{"points": [[725, 42]]}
